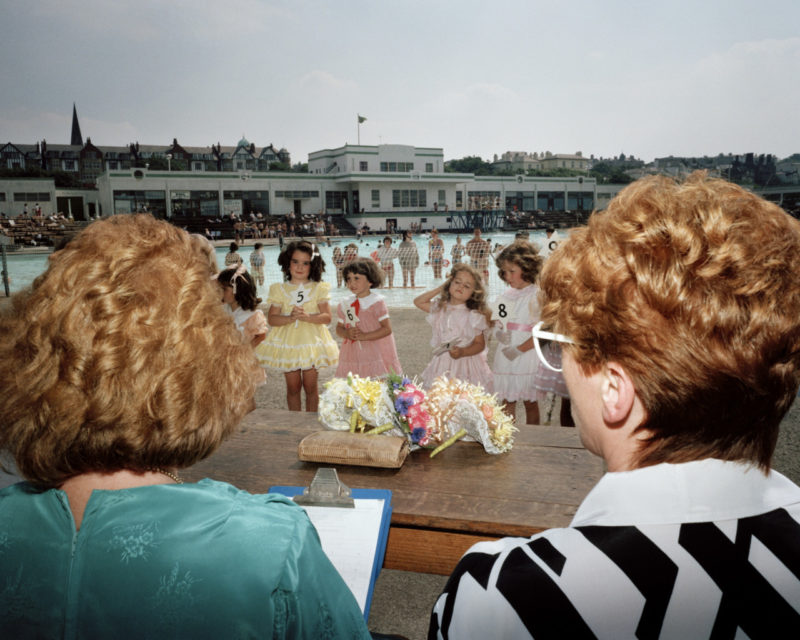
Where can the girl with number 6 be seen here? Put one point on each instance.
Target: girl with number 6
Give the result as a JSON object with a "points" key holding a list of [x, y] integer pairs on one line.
{"points": [[299, 311], [363, 321], [515, 312]]}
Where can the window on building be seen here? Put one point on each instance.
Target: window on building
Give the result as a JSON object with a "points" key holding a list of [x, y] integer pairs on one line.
{"points": [[335, 200], [362, 165], [392, 167], [376, 198], [428, 167], [441, 199], [459, 200], [31, 197], [409, 198]]}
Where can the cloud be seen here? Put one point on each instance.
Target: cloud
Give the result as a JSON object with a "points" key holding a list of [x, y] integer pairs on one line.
{"points": [[154, 21], [30, 127], [318, 81]]}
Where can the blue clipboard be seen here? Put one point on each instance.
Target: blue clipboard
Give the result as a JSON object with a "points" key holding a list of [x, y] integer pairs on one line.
{"points": [[383, 535]]}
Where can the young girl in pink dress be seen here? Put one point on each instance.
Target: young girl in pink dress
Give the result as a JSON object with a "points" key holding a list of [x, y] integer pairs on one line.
{"points": [[363, 322], [460, 320], [240, 300]]}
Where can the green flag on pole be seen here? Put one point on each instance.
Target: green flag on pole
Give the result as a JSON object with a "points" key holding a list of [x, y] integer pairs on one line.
{"points": [[361, 119]]}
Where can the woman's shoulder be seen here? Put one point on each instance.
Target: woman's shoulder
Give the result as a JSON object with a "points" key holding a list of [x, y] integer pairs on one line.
{"points": [[257, 511]]}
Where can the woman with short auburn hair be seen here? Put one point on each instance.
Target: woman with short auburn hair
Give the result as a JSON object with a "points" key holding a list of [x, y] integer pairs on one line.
{"points": [[119, 368], [678, 282]]}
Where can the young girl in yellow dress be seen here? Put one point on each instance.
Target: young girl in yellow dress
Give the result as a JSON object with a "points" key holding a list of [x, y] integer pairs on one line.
{"points": [[299, 313]]}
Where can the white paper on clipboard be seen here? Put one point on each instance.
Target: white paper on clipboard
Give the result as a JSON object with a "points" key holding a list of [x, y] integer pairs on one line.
{"points": [[349, 538]]}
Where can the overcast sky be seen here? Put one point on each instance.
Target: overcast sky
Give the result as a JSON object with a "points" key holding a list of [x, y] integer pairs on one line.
{"points": [[473, 77]]}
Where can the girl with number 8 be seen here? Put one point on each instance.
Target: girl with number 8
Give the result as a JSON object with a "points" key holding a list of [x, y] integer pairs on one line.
{"points": [[299, 311], [515, 312]]}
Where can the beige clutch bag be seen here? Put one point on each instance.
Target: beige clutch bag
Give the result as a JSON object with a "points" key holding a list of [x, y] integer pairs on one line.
{"points": [[343, 447]]}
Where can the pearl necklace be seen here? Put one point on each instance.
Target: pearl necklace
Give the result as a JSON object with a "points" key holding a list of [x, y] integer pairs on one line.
{"points": [[169, 474]]}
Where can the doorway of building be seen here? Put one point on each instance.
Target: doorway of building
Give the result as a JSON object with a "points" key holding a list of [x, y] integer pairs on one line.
{"points": [[298, 208], [71, 205]]}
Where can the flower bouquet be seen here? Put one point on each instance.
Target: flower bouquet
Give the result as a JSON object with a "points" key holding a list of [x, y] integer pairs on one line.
{"points": [[451, 410]]}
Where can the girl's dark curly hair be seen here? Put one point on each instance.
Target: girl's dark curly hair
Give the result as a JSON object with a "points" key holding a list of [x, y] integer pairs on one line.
{"points": [[366, 267], [317, 263], [244, 289], [523, 254]]}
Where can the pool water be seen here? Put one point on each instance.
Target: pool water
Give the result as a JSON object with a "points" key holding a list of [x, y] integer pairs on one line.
{"points": [[24, 268]]}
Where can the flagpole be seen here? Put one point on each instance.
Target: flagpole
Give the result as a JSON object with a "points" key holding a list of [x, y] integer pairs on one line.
{"points": [[359, 120]]}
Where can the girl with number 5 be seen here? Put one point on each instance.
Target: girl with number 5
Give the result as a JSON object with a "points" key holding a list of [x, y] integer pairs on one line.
{"points": [[299, 311]]}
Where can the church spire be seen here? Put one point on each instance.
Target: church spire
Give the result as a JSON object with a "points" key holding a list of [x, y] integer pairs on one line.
{"points": [[77, 138]]}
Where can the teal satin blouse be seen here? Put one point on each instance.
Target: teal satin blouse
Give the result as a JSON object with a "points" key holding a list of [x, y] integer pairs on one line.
{"points": [[202, 560]]}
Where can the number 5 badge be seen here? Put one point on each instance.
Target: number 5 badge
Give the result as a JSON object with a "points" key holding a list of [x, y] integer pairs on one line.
{"points": [[300, 296]]}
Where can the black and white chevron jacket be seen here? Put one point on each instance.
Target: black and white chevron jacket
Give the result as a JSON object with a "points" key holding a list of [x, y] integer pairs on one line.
{"points": [[706, 549]]}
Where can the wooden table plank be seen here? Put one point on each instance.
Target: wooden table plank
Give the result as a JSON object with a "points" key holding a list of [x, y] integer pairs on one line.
{"points": [[535, 486]]}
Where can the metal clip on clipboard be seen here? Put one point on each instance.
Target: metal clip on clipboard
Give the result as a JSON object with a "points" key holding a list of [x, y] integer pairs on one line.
{"points": [[326, 490]]}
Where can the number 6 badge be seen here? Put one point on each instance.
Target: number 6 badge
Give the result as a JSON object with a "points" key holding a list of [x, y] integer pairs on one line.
{"points": [[351, 315]]}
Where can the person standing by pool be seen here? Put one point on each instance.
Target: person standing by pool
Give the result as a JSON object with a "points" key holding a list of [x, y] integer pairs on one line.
{"points": [[436, 253], [478, 251], [457, 252], [232, 258], [408, 258], [257, 264], [386, 255]]}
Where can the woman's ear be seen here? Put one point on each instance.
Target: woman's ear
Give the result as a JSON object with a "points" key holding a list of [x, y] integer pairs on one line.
{"points": [[618, 393]]}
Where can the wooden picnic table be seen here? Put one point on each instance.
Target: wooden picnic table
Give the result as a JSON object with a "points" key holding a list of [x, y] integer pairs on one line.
{"points": [[441, 506]]}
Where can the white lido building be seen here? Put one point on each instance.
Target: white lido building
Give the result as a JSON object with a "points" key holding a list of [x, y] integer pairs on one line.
{"points": [[366, 184]]}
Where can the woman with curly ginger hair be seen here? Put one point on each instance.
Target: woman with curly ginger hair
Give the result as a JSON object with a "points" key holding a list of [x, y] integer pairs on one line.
{"points": [[678, 312], [119, 367]]}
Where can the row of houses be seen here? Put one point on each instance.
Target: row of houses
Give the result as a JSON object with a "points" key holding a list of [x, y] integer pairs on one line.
{"points": [[87, 161]]}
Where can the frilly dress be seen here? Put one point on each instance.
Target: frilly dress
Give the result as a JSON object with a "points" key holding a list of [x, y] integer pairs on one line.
{"points": [[374, 358], [458, 325], [250, 323], [298, 345], [517, 310]]}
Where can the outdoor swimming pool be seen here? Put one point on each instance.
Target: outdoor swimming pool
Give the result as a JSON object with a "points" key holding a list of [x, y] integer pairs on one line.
{"points": [[23, 268]]}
